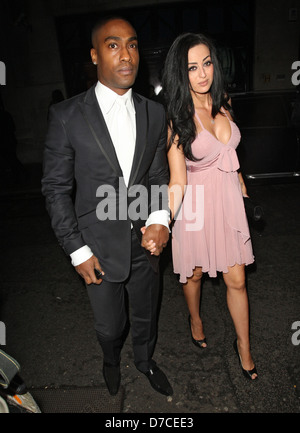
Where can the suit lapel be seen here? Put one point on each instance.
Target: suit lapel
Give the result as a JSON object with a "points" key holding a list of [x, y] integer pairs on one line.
{"points": [[142, 125], [93, 116]]}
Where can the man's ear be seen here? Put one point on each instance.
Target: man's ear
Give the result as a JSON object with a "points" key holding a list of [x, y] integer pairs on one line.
{"points": [[94, 56]]}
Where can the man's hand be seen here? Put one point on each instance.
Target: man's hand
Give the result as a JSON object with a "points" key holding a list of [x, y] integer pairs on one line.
{"points": [[155, 238], [87, 271]]}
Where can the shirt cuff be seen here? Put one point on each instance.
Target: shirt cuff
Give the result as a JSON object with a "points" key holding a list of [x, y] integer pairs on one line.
{"points": [[159, 217], [81, 255]]}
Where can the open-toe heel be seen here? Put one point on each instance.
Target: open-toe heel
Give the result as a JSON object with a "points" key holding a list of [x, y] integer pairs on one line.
{"points": [[199, 343], [247, 373]]}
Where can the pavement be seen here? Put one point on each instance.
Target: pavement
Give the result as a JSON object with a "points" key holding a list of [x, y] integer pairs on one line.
{"points": [[49, 323]]}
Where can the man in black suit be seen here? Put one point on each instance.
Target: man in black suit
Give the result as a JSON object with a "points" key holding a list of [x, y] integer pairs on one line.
{"points": [[116, 159]]}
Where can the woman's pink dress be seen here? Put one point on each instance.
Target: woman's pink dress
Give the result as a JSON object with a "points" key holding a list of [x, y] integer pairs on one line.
{"points": [[211, 229]]}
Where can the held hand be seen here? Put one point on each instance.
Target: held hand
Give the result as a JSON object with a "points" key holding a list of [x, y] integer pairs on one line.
{"points": [[155, 238], [150, 246], [87, 271]]}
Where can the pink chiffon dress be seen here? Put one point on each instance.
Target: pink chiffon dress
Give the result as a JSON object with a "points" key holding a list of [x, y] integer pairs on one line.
{"points": [[211, 229]]}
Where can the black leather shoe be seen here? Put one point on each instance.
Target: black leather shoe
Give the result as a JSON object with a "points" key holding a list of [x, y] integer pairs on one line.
{"points": [[112, 377], [158, 380]]}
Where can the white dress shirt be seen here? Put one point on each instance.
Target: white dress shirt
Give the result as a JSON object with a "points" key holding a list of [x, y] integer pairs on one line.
{"points": [[113, 115]]}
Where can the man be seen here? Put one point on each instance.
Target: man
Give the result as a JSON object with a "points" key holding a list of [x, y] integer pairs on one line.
{"points": [[89, 144]]}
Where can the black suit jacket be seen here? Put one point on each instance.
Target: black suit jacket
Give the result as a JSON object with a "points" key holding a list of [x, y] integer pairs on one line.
{"points": [[79, 156]]}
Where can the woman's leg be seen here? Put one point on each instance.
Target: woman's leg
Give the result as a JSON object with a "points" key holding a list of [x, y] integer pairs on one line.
{"points": [[237, 301], [192, 291]]}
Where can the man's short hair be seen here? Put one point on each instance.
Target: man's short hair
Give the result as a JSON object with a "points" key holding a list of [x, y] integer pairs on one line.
{"points": [[101, 22]]}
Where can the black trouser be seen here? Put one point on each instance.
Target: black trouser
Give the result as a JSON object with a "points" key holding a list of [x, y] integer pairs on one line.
{"points": [[109, 307]]}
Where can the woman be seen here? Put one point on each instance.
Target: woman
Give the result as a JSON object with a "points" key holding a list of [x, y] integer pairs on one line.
{"points": [[202, 143]]}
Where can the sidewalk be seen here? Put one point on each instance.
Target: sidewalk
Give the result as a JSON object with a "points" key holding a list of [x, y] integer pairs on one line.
{"points": [[49, 322]]}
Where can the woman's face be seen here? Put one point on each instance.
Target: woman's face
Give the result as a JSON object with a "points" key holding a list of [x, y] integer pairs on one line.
{"points": [[201, 69]]}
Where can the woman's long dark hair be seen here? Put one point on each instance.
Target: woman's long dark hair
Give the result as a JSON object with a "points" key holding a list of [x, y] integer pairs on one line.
{"points": [[176, 90]]}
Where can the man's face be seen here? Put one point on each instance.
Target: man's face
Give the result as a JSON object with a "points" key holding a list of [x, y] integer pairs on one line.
{"points": [[116, 54]]}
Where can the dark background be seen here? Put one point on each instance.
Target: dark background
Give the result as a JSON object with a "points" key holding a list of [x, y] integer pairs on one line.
{"points": [[229, 23], [43, 303], [46, 46]]}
